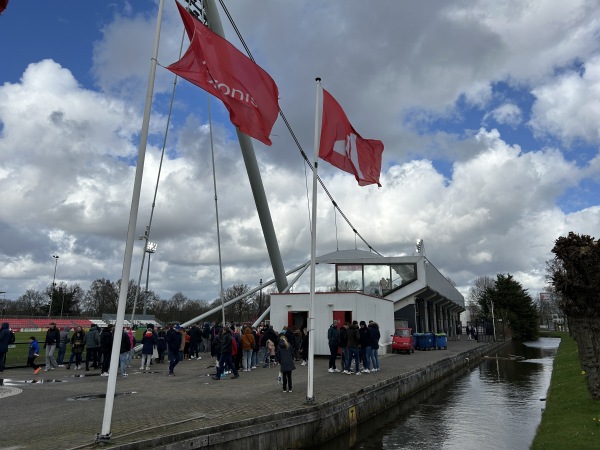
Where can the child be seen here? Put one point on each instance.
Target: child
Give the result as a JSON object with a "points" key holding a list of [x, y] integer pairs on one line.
{"points": [[271, 352], [34, 352], [285, 356]]}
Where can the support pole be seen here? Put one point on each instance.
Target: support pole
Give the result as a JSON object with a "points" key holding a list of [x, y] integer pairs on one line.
{"points": [[105, 434], [313, 248]]}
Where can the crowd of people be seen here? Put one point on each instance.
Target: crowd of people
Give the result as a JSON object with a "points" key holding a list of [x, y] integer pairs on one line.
{"points": [[358, 343], [234, 348]]}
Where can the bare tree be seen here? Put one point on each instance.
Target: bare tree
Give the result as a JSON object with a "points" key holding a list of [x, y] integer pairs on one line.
{"points": [[477, 293], [101, 298], [32, 303]]}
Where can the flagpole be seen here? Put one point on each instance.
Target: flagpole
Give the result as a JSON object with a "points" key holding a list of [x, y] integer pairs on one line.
{"points": [[313, 247], [105, 435]]}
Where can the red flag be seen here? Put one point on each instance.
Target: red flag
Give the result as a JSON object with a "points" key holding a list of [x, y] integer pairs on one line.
{"points": [[213, 64], [344, 148], [3, 5]]}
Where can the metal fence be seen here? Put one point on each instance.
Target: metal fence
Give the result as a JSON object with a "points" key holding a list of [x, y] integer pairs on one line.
{"points": [[488, 331]]}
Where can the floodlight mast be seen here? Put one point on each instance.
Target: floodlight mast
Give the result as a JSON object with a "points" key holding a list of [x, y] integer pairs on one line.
{"points": [[53, 284], [150, 248]]}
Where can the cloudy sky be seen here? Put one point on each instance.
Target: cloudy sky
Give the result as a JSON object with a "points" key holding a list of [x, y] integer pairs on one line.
{"points": [[489, 113]]}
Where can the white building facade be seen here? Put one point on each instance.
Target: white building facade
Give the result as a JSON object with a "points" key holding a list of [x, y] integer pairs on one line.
{"points": [[405, 290]]}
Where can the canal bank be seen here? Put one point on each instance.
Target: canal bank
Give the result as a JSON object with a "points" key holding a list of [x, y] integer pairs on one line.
{"points": [[191, 410], [571, 419]]}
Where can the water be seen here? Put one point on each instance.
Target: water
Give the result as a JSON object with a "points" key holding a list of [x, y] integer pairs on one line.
{"points": [[495, 404]]}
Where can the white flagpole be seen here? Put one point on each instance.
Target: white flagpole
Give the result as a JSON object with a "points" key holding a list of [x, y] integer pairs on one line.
{"points": [[105, 435], [313, 247]]}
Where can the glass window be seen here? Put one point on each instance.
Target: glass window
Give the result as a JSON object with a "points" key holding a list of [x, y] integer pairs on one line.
{"points": [[349, 277], [403, 274], [404, 332], [377, 279]]}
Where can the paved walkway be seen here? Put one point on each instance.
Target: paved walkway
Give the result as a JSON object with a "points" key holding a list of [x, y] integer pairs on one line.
{"points": [[61, 408]]}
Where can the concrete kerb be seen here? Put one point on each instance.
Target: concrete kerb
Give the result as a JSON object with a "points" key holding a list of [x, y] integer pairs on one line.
{"points": [[313, 424]]}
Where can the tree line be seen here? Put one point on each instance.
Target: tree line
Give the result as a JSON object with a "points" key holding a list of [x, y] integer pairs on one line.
{"points": [[68, 300]]}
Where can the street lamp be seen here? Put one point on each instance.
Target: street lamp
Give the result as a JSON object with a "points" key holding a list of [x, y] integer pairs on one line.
{"points": [[150, 248], [493, 321], [53, 284], [260, 298], [62, 305]]}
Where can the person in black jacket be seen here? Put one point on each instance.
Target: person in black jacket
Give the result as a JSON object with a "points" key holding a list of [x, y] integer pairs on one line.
{"points": [[106, 342], [50, 343], [286, 362], [174, 338], [375, 336], [353, 348], [304, 347], [215, 348], [333, 339], [365, 346], [77, 346], [195, 339], [161, 346], [225, 360], [4, 343]]}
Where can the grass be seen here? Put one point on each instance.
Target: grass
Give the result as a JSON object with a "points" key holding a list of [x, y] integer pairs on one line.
{"points": [[17, 357], [571, 418]]}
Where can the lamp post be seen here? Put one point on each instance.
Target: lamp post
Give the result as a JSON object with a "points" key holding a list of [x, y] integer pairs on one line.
{"points": [[53, 284], [260, 298], [493, 321], [150, 248], [62, 305]]}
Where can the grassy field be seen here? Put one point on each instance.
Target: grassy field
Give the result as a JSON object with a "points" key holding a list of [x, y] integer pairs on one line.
{"points": [[571, 419], [17, 357]]}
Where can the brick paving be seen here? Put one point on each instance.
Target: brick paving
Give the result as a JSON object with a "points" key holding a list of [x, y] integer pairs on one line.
{"points": [[46, 414]]}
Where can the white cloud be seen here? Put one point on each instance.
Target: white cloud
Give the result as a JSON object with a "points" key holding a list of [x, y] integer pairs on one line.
{"points": [[507, 113], [569, 106]]}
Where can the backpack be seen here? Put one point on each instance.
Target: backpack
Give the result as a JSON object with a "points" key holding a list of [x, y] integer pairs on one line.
{"points": [[12, 338]]}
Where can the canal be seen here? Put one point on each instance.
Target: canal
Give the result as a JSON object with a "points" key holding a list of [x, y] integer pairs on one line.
{"points": [[496, 403]]}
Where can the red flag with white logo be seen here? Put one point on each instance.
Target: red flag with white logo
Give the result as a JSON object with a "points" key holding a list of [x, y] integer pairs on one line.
{"points": [[213, 64], [344, 148]]}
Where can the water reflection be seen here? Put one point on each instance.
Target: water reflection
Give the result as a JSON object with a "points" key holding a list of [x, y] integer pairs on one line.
{"points": [[496, 404]]}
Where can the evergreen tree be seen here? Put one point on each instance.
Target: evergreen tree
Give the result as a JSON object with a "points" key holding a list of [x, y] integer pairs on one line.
{"points": [[513, 304]]}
